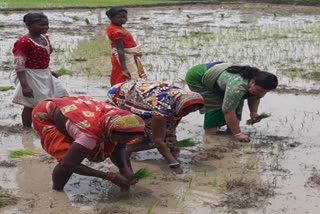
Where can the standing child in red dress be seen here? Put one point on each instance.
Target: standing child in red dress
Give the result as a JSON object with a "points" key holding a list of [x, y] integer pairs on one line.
{"points": [[32, 57], [125, 58]]}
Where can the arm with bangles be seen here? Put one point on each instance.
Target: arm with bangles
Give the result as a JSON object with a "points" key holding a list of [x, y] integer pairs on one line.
{"points": [[253, 105], [122, 59], [159, 126]]}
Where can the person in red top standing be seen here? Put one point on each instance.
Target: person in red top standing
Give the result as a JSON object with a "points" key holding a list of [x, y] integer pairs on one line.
{"points": [[35, 82], [125, 57]]}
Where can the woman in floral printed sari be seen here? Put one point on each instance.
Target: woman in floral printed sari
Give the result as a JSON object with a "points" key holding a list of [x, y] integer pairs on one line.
{"points": [[224, 87], [161, 106], [75, 128]]}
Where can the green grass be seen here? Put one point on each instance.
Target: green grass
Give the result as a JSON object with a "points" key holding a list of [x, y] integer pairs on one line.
{"points": [[12, 4], [21, 153], [84, 3], [92, 56], [142, 173], [6, 199], [185, 143], [6, 88], [152, 207], [63, 71]]}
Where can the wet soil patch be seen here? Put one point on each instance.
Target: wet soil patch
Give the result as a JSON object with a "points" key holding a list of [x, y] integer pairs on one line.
{"points": [[14, 129], [297, 91], [216, 152], [7, 164], [244, 193]]}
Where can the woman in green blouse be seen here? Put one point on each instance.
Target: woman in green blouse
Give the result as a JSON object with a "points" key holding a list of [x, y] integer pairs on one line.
{"points": [[224, 87]]}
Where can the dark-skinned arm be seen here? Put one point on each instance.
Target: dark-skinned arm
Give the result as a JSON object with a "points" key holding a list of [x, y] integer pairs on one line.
{"points": [[120, 158], [233, 123], [253, 105], [122, 59], [159, 126], [26, 90], [72, 164]]}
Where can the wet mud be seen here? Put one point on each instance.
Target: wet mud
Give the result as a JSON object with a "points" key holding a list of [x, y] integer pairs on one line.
{"points": [[277, 172]]}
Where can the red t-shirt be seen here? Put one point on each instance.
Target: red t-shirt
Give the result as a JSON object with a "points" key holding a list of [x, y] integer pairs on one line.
{"points": [[29, 54], [115, 32]]}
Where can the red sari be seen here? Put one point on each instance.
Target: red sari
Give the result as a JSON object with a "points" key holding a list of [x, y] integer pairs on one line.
{"points": [[95, 118], [115, 33]]}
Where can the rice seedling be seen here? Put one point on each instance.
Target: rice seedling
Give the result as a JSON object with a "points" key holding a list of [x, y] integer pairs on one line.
{"points": [[6, 199], [152, 207], [6, 88], [252, 165], [260, 117], [263, 115], [142, 174], [185, 143], [21, 153]]}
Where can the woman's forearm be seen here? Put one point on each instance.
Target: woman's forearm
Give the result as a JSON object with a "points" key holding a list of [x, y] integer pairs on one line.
{"points": [[120, 157], [22, 79], [253, 105], [232, 121], [165, 152]]}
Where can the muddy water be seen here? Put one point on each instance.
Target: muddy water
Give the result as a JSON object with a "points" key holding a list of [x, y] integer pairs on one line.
{"points": [[284, 150]]}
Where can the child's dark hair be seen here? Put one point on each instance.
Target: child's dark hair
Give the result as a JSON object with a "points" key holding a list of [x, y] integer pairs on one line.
{"points": [[31, 18], [264, 79], [114, 11]]}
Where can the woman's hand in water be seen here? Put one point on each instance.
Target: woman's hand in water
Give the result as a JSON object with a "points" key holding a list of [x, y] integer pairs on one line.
{"points": [[242, 137]]}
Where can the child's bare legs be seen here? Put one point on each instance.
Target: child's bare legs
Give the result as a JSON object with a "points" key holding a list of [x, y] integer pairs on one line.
{"points": [[211, 131], [27, 117]]}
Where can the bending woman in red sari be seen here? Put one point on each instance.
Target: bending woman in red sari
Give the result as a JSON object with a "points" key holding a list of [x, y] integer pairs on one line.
{"points": [[75, 128], [125, 58]]}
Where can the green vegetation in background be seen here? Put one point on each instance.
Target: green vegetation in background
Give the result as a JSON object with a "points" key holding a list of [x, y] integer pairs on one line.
{"points": [[297, 2], [63, 71], [21, 153], [92, 56], [85, 3], [11, 4]]}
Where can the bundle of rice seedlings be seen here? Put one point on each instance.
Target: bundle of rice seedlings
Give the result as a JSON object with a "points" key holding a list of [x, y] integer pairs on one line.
{"points": [[142, 173], [260, 117], [6, 88], [263, 115], [185, 143], [21, 153]]}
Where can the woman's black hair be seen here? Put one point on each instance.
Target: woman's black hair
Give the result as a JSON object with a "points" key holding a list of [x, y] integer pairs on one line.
{"points": [[264, 79], [31, 18], [114, 11]]}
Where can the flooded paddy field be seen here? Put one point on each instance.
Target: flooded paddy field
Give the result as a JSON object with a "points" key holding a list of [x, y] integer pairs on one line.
{"points": [[277, 172]]}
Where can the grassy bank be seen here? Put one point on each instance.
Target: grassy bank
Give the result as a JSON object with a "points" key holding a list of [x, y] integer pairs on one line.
{"points": [[11, 4], [15, 4]]}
